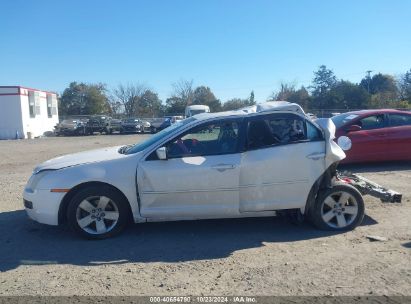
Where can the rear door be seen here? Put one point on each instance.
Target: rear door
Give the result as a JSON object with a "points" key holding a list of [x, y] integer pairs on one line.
{"points": [[284, 157], [399, 136], [199, 179], [369, 143]]}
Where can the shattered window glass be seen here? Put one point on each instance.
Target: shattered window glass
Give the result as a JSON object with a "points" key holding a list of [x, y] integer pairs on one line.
{"points": [[275, 129]]}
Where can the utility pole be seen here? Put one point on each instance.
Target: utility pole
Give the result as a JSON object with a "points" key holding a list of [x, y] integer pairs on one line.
{"points": [[368, 80]]}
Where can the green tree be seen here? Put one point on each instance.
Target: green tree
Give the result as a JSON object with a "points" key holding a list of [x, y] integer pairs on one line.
{"points": [[204, 96], [379, 83], [289, 93], [324, 80], [235, 104], [348, 95], [175, 105], [84, 99], [383, 89], [251, 99], [405, 86], [301, 97], [149, 104], [286, 90]]}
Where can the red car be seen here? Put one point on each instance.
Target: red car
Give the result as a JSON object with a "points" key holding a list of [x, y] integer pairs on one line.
{"points": [[376, 135]]}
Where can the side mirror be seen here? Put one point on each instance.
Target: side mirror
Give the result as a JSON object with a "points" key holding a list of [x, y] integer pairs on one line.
{"points": [[353, 128], [162, 153], [344, 142]]}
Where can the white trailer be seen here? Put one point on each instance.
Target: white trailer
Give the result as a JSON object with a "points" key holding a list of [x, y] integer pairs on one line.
{"points": [[196, 109], [26, 112]]}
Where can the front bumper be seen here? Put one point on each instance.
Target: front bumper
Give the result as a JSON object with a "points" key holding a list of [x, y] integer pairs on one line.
{"points": [[131, 129], [44, 205]]}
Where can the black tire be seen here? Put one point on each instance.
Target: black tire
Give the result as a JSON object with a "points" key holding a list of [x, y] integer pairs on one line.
{"points": [[321, 208], [116, 198]]}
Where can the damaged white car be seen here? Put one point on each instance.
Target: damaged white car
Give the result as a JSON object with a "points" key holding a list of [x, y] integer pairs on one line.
{"points": [[235, 164]]}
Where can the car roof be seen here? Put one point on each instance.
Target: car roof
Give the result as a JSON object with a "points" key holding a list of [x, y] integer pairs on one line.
{"points": [[197, 107], [376, 111], [266, 107]]}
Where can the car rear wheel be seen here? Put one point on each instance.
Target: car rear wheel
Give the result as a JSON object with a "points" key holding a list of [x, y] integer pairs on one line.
{"points": [[98, 212], [340, 208]]}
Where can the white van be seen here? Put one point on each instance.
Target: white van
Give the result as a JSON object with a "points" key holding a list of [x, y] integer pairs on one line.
{"points": [[196, 109]]}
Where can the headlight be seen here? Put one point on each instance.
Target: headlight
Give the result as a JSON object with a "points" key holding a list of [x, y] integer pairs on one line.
{"points": [[35, 179]]}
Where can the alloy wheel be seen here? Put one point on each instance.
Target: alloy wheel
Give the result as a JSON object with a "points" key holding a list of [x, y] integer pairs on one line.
{"points": [[97, 214], [339, 209]]}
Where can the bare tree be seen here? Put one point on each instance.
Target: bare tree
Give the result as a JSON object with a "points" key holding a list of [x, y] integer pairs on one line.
{"points": [[129, 97], [115, 105], [184, 90]]}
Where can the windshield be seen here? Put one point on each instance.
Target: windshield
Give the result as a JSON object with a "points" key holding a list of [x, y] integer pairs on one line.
{"points": [[158, 136], [130, 120], [342, 119], [195, 112]]}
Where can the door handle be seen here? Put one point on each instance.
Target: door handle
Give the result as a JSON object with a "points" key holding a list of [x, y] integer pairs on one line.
{"points": [[316, 156], [223, 167]]}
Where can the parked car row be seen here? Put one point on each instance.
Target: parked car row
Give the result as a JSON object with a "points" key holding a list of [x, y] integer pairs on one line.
{"points": [[88, 125]]}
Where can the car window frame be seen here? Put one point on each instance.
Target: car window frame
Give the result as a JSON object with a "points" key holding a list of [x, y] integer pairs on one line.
{"points": [[400, 114], [386, 122], [260, 117], [240, 143]]}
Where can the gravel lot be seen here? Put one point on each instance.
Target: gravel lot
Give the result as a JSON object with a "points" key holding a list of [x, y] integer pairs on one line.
{"points": [[268, 256]]}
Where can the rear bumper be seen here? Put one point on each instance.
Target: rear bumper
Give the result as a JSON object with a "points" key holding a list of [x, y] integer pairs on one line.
{"points": [[42, 205]]}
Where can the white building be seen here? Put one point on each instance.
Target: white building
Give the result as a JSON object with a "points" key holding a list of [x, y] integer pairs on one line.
{"points": [[26, 113]]}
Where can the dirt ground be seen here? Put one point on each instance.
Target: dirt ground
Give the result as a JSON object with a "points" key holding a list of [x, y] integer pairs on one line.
{"points": [[268, 256]]}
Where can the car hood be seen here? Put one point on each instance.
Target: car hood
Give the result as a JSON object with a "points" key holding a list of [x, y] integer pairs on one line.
{"points": [[75, 159]]}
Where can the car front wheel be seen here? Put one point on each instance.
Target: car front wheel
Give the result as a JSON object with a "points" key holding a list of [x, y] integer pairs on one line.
{"points": [[98, 212], [339, 208]]}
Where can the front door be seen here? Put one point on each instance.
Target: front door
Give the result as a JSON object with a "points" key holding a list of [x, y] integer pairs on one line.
{"points": [[199, 179], [399, 137], [369, 143]]}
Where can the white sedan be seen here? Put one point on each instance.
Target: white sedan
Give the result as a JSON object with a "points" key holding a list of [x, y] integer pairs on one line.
{"points": [[212, 165]]}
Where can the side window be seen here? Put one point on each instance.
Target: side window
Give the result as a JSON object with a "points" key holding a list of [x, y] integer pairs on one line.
{"points": [[372, 122], [32, 104], [313, 133], [207, 139], [397, 120], [275, 129], [49, 106]]}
